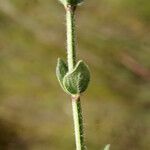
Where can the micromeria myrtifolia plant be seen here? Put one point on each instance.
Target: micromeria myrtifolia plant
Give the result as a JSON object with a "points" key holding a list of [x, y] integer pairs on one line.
{"points": [[74, 76]]}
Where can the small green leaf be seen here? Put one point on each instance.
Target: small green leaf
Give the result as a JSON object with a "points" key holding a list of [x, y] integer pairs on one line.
{"points": [[107, 147], [77, 81], [61, 70]]}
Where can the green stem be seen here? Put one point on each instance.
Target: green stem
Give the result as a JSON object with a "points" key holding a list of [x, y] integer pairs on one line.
{"points": [[70, 21], [78, 123], [71, 52]]}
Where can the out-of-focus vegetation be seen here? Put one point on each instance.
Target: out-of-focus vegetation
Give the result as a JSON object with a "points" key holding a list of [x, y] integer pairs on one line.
{"points": [[113, 37]]}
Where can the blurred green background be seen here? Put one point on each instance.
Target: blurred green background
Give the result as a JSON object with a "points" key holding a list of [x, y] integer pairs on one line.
{"points": [[113, 37]]}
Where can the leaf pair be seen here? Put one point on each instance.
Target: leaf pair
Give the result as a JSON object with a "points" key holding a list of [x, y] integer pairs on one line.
{"points": [[76, 81]]}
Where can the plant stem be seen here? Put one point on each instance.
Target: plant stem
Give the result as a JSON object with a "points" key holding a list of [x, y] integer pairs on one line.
{"points": [[78, 123], [70, 21], [71, 52]]}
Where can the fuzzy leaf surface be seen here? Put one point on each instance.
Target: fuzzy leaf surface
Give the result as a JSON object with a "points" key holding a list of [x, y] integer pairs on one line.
{"points": [[77, 81], [61, 71]]}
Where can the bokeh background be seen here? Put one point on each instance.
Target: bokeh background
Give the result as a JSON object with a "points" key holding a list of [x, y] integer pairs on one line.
{"points": [[113, 37]]}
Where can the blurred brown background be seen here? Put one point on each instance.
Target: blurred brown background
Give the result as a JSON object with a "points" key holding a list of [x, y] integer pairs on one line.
{"points": [[113, 37]]}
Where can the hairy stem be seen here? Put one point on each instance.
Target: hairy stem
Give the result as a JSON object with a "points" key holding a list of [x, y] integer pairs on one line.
{"points": [[78, 123], [70, 21], [71, 52]]}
